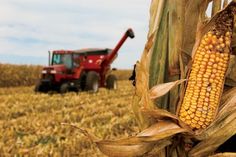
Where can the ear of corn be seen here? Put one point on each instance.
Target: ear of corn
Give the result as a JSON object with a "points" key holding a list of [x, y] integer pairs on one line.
{"points": [[207, 75]]}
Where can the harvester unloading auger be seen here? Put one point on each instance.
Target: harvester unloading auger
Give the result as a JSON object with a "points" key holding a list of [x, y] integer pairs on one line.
{"points": [[85, 69]]}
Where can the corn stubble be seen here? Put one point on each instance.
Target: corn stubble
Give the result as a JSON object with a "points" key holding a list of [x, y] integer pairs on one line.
{"points": [[207, 75], [30, 124]]}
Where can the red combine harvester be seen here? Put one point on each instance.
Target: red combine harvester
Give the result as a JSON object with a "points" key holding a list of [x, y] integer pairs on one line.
{"points": [[85, 69]]}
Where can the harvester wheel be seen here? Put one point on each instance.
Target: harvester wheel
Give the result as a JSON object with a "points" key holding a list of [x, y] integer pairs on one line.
{"points": [[92, 82], [64, 88], [111, 82], [40, 88]]}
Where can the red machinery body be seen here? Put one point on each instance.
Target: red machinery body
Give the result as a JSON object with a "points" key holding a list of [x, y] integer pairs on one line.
{"points": [[72, 67]]}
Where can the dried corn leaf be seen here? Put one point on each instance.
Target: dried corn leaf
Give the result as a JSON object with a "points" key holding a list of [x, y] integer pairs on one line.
{"points": [[159, 114], [130, 150], [159, 58], [141, 68], [225, 3], [156, 11], [231, 72], [126, 150], [141, 97], [227, 96], [216, 6], [157, 135], [224, 155], [161, 89], [210, 144], [143, 142], [162, 127], [142, 121], [194, 16], [158, 148]]}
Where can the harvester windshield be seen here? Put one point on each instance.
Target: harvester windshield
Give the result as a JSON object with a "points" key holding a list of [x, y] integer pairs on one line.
{"points": [[65, 59]]}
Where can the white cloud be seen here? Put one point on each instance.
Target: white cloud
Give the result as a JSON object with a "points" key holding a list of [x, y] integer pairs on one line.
{"points": [[32, 27]]}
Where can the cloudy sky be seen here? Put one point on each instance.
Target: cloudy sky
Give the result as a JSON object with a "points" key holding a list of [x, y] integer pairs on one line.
{"points": [[29, 28]]}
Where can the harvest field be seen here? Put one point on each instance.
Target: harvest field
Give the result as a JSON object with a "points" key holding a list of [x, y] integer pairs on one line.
{"points": [[30, 124]]}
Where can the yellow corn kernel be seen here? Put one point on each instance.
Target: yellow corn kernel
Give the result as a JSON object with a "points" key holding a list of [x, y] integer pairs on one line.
{"points": [[192, 115], [186, 107], [205, 59], [200, 123], [207, 123], [218, 47], [205, 108], [188, 121], [193, 125], [227, 43], [222, 45], [204, 116], [196, 118], [198, 126], [188, 117]]}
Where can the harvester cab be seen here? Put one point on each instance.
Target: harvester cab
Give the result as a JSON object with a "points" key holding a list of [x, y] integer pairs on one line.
{"points": [[84, 69]]}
